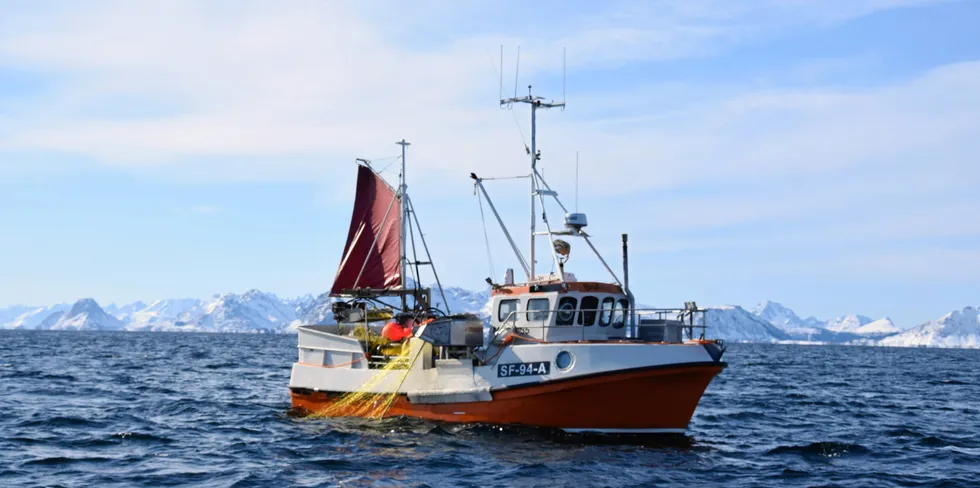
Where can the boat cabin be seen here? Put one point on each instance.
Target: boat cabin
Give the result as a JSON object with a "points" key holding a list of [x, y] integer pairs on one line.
{"points": [[588, 311]]}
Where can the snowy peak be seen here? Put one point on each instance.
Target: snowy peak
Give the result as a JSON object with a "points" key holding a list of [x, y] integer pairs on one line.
{"points": [[880, 327], [776, 314], [960, 328], [461, 300], [848, 323], [734, 323], [34, 317], [86, 314], [253, 311], [164, 312], [124, 312]]}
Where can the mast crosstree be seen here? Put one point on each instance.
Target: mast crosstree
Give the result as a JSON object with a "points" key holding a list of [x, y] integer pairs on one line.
{"points": [[535, 103]]}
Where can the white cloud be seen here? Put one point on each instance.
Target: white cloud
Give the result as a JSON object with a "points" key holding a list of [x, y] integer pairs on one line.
{"points": [[233, 90], [320, 79]]}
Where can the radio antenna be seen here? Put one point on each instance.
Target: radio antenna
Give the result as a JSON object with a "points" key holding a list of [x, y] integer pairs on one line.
{"points": [[563, 89], [517, 71], [501, 71], [576, 181]]}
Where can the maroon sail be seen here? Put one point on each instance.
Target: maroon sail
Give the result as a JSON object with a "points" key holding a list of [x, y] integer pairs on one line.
{"points": [[373, 251]]}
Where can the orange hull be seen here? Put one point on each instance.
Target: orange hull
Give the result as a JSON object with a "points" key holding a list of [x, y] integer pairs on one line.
{"points": [[649, 400]]}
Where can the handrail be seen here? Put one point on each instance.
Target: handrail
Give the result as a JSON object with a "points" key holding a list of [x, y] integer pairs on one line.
{"points": [[661, 313]]}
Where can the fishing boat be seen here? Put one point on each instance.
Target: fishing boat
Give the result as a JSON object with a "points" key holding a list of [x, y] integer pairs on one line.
{"points": [[555, 352]]}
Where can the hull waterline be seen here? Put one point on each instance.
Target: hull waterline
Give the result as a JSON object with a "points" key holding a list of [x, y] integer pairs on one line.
{"points": [[650, 400]]}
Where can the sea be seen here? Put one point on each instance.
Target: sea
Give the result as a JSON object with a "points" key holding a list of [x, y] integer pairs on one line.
{"points": [[212, 410]]}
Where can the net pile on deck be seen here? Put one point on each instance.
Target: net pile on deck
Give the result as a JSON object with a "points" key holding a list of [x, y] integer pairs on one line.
{"points": [[370, 404]]}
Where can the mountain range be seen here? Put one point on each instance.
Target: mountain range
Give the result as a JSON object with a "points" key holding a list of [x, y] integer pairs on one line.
{"points": [[263, 312]]}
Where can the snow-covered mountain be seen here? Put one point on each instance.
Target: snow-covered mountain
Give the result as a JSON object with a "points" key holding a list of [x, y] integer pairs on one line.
{"points": [[880, 328], [85, 314], [848, 323], [162, 314], [960, 328], [810, 329], [11, 313], [35, 317], [253, 311], [733, 323], [462, 301], [257, 311], [782, 317], [124, 312]]}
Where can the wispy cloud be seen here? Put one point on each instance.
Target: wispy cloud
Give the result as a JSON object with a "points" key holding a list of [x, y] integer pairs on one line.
{"points": [[328, 79], [238, 90]]}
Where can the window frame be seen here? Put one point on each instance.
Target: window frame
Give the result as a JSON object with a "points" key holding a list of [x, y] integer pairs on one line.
{"points": [[571, 318], [584, 311], [517, 306], [545, 312], [621, 307], [605, 314]]}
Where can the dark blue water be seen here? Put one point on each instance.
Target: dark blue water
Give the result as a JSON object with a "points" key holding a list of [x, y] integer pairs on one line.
{"points": [[143, 409]]}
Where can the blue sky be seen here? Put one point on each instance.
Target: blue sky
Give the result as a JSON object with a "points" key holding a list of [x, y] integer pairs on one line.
{"points": [[818, 153]]}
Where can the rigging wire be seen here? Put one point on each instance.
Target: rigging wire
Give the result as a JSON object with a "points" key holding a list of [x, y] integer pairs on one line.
{"points": [[486, 237], [425, 247], [520, 129], [417, 273], [389, 164]]}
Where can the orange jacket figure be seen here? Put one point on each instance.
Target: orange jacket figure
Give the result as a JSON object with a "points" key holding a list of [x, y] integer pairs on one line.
{"points": [[395, 332]]}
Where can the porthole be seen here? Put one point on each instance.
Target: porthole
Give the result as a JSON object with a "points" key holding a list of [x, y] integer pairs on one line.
{"points": [[564, 360]]}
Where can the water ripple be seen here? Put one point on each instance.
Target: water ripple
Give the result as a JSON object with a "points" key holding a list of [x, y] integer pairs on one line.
{"points": [[139, 409]]}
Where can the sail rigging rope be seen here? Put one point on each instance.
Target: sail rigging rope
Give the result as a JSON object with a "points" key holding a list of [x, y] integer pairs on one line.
{"points": [[389, 164], [520, 129], [486, 237]]}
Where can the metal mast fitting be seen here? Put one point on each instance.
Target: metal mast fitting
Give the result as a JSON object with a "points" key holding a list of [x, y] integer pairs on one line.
{"points": [[535, 103], [403, 200]]}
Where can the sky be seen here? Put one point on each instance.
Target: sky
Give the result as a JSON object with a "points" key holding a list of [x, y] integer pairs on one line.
{"points": [[822, 154]]}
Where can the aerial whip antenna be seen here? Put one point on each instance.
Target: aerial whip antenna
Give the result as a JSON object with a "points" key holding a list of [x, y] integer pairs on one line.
{"points": [[501, 71], [563, 63], [576, 181], [517, 71]]}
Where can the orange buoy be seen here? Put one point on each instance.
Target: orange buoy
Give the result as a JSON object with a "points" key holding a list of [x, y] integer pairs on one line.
{"points": [[395, 332]]}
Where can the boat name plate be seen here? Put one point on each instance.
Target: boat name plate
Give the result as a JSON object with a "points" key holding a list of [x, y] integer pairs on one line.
{"points": [[533, 368]]}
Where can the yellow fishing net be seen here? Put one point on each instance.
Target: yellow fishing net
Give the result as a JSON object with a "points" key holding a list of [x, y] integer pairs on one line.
{"points": [[367, 402]]}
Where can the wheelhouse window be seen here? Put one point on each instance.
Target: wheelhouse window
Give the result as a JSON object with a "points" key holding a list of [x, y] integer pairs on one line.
{"points": [[586, 316], [619, 313], [566, 311], [506, 309], [606, 311], [537, 309]]}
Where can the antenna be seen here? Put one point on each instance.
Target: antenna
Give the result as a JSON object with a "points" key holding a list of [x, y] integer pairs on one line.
{"points": [[563, 91], [501, 71], [576, 181], [517, 71]]}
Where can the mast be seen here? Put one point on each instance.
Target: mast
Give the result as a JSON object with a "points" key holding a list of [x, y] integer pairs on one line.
{"points": [[535, 103], [534, 164], [403, 202]]}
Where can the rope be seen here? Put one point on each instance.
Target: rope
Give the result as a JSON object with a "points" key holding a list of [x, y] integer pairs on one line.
{"points": [[520, 130], [389, 164], [486, 237]]}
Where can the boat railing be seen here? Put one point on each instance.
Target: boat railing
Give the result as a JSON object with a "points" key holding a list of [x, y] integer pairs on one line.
{"points": [[649, 322]]}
